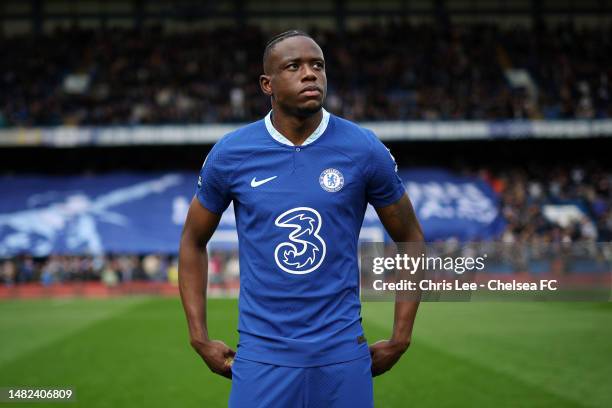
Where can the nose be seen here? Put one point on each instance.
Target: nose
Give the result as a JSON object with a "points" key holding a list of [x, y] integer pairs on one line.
{"points": [[308, 73]]}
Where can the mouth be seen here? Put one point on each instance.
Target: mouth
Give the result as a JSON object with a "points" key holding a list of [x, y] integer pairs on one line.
{"points": [[311, 91]]}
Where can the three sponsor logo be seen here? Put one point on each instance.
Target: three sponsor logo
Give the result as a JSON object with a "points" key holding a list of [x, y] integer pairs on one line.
{"points": [[304, 250]]}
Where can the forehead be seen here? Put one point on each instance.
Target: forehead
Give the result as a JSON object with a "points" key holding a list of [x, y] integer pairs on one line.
{"points": [[296, 47]]}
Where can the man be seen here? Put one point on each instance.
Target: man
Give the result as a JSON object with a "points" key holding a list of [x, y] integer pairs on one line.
{"points": [[300, 181]]}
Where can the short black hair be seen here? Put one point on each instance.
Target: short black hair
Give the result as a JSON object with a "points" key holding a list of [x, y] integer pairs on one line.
{"points": [[280, 37]]}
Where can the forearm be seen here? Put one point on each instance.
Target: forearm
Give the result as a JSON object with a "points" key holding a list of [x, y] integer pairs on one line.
{"points": [[193, 279], [401, 223], [405, 314], [407, 305]]}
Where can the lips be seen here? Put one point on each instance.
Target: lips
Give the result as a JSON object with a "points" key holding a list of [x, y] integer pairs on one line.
{"points": [[311, 91]]}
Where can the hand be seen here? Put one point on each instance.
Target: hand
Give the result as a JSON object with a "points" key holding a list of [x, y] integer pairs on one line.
{"points": [[385, 353], [217, 356]]}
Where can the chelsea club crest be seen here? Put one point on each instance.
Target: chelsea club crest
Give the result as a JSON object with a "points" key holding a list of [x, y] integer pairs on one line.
{"points": [[331, 180]]}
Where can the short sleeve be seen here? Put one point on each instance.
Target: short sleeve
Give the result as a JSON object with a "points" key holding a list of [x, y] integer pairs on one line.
{"points": [[213, 190], [384, 186]]}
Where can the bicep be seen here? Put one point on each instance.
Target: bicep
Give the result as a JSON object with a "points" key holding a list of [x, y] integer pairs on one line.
{"points": [[400, 221], [200, 223]]}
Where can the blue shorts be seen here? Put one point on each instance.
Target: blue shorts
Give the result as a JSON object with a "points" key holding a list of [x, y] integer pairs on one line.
{"points": [[347, 384]]}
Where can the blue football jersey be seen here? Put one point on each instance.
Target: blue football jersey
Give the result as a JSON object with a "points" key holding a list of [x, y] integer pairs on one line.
{"points": [[299, 210]]}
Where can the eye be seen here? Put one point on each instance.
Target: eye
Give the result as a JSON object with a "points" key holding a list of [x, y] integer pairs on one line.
{"points": [[319, 65], [293, 66]]}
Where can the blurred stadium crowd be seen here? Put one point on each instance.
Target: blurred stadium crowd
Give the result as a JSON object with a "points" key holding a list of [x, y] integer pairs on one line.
{"points": [[112, 269], [525, 194], [391, 72]]}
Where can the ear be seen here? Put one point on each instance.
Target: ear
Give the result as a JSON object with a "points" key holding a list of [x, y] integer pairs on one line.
{"points": [[265, 84]]}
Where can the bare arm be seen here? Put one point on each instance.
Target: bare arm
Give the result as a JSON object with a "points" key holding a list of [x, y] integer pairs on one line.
{"points": [[193, 278], [402, 225]]}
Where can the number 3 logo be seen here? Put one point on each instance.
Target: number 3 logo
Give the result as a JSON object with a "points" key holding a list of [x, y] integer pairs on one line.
{"points": [[305, 250]]}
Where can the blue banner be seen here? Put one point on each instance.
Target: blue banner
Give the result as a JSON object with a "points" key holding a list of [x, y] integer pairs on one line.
{"points": [[453, 206], [145, 212], [135, 213]]}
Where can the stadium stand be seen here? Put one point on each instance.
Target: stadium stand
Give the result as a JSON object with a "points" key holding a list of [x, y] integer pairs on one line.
{"points": [[81, 76]]}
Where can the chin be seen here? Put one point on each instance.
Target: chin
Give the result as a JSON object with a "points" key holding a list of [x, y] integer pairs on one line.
{"points": [[309, 108]]}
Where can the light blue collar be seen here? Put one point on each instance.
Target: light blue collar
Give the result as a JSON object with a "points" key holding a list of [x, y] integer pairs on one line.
{"points": [[282, 139]]}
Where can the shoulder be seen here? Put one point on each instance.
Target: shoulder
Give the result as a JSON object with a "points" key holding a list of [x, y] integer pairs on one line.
{"points": [[352, 128], [363, 146], [234, 147], [355, 138], [239, 143], [241, 137]]}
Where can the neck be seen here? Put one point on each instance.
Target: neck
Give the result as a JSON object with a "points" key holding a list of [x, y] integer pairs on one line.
{"points": [[295, 128]]}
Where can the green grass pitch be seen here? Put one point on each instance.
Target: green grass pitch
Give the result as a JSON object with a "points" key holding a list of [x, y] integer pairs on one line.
{"points": [[134, 352]]}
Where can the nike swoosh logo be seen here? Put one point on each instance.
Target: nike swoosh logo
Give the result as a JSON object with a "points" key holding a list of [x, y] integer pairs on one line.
{"points": [[257, 183]]}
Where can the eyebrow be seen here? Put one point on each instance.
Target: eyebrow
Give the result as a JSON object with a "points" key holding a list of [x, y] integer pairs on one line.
{"points": [[300, 59]]}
